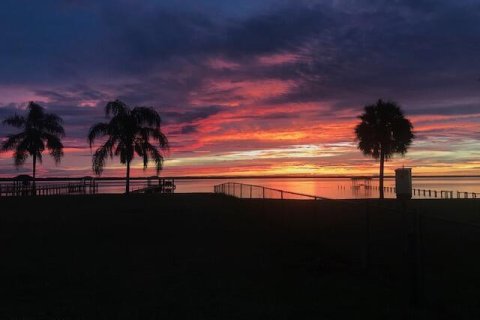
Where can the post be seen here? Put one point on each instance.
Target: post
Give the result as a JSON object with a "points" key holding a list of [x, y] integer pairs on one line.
{"points": [[281, 194], [263, 191], [250, 191], [241, 191]]}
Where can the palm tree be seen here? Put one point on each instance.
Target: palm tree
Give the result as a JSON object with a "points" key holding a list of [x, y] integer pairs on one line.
{"points": [[40, 130], [382, 132], [129, 132]]}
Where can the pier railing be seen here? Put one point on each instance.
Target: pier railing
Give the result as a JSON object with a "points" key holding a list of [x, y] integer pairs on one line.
{"points": [[250, 191], [7, 190]]}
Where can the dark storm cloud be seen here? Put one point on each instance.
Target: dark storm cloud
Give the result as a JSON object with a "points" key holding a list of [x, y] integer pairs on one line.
{"points": [[188, 129], [193, 115], [282, 30], [155, 53], [469, 109], [74, 94], [402, 50]]}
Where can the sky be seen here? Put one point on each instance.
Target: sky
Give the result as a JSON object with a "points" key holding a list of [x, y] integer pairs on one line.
{"points": [[271, 87]]}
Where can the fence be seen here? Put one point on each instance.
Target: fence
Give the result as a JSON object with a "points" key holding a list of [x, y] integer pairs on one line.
{"points": [[250, 191], [419, 193], [422, 249]]}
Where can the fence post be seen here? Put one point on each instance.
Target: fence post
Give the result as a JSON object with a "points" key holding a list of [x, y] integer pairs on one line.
{"points": [[263, 191], [241, 191], [281, 194], [250, 191]]}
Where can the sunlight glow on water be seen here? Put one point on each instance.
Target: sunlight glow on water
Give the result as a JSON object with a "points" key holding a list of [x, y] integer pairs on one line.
{"points": [[335, 188]]}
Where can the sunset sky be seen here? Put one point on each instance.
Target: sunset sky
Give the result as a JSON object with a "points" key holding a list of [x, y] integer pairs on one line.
{"points": [[249, 87]]}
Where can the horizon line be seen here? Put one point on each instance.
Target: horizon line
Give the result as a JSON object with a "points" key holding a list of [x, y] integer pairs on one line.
{"points": [[243, 177]]}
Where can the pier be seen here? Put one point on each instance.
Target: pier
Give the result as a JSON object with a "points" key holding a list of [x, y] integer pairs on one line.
{"points": [[164, 185], [11, 190], [23, 185]]}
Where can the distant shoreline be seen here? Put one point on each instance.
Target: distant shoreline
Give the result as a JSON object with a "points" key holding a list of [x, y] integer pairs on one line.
{"points": [[245, 177]]}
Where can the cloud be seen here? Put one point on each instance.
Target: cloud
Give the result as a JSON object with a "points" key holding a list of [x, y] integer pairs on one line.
{"points": [[192, 115], [243, 76]]}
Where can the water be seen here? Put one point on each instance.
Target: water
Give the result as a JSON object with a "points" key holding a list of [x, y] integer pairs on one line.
{"points": [[335, 188]]}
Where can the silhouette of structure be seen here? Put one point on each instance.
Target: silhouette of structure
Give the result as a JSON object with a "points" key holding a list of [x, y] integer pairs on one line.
{"points": [[158, 185]]}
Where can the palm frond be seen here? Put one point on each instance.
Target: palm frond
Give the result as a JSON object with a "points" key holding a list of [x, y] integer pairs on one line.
{"points": [[126, 150], [53, 124], [99, 159], [19, 157], [156, 135], [129, 132], [12, 141], [146, 116], [98, 130], [101, 154], [115, 108], [156, 156], [55, 146], [40, 130], [35, 112], [383, 129], [15, 121], [39, 156]]}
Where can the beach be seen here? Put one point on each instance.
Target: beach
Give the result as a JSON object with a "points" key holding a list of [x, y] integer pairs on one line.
{"points": [[214, 257]]}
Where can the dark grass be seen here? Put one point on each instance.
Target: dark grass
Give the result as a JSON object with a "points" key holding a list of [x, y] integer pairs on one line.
{"points": [[202, 256]]}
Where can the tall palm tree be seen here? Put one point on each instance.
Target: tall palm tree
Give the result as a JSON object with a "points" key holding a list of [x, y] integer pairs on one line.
{"points": [[382, 132], [128, 132], [40, 130]]}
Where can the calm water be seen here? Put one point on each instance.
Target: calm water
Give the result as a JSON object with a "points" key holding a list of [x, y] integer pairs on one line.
{"points": [[336, 188]]}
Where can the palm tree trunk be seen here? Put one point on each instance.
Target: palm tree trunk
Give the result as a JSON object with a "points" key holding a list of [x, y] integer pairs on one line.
{"points": [[34, 186], [382, 160], [127, 188]]}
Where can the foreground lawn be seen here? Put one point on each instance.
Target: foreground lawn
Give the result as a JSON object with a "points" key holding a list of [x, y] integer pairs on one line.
{"points": [[203, 256]]}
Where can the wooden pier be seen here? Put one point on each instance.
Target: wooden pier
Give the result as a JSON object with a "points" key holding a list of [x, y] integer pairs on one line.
{"points": [[164, 185], [12, 190]]}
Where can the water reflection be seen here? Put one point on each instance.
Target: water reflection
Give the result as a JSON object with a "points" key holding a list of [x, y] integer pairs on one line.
{"points": [[335, 188]]}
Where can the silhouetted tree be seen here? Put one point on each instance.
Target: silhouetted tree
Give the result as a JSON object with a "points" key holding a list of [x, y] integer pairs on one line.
{"points": [[128, 132], [382, 132], [40, 130]]}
